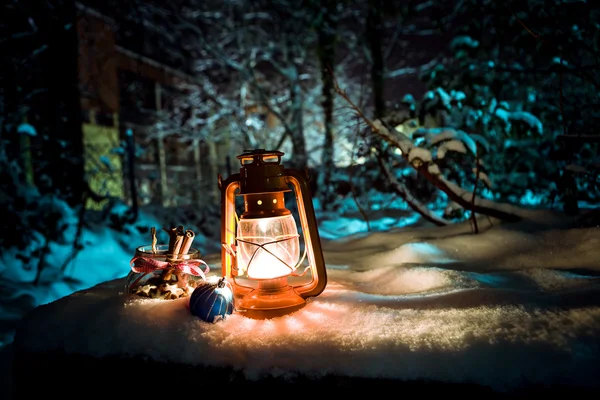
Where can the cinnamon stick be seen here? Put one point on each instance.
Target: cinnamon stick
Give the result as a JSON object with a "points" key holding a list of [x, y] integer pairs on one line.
{"points": [[178, 241], [154, 239], [187, 241], [172, 235], [167, 273]]}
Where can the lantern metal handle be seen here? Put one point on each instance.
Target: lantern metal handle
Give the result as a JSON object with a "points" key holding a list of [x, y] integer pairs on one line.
{"points": [[228, 233], [310, 231]]}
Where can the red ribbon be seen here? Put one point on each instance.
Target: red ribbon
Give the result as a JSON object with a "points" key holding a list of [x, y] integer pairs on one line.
{"points": [[147, 265]]}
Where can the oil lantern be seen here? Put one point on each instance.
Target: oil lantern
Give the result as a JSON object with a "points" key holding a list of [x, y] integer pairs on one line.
{"points": [[272, 271]]}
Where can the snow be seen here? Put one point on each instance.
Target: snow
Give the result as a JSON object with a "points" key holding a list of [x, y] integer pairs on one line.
{"points": [[452, 145], [26, 129], [404, 143], [528, 119], [516, 303], [88, 267], [419, 153], [433, 169], [460, 192], [484, 178], [437, 135], [464, 41]]}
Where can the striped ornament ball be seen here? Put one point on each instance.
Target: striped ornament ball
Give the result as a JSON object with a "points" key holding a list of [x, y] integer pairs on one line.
{"points": [[212, 302]]}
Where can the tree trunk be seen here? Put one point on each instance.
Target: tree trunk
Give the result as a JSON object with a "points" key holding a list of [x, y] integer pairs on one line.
{"points": [[161, 165], [196, 197], [213, 168], [60, 110], [130, 143], [300, 158], [326, 52], [374, 38]]}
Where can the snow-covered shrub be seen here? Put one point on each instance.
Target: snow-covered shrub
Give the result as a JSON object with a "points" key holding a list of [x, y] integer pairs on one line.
{"points": [[584, 167], [30, 219], [473, 144], [513, 145], [118, 215], [521, 94]]}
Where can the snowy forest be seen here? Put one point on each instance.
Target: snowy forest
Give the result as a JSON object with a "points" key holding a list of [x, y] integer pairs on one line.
{"points": [[450, 111]]}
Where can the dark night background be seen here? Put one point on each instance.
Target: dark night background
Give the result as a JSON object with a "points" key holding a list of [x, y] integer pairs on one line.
{"points": [[110, 109]]}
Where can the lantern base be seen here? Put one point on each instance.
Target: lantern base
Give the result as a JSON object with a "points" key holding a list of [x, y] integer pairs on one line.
{"points": [[273, 298]]}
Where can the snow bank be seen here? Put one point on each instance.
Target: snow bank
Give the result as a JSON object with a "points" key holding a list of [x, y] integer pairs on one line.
{"points": [[396, 306]]}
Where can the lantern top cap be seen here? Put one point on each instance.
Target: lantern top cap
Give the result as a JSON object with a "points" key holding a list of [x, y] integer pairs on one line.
{"points": [[259, 152], [260, 157]]}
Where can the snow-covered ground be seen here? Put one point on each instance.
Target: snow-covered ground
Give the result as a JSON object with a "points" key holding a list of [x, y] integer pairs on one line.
{"points": [[514, 304]]}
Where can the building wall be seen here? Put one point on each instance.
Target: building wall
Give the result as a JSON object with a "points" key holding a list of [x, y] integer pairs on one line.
{"points": [[115, 84], [99, 97], [98, 63]]}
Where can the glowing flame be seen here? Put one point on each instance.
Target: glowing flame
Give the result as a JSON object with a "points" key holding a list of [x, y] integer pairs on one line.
{"points": [[268, 248]]}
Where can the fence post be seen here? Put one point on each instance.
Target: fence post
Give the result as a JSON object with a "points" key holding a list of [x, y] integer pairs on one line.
{"points": [[131, 172]]}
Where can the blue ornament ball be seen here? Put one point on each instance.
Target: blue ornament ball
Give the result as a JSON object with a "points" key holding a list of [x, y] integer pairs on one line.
{"points": [[212, 302]]}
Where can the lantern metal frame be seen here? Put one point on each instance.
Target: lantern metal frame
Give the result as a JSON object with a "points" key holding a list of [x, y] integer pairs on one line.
{"points": [[263, 176]]}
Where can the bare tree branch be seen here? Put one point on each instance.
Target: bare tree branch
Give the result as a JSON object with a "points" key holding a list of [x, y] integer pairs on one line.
{"points": [[412, 70], [400, 189], [454, 192], [407, 196]]}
